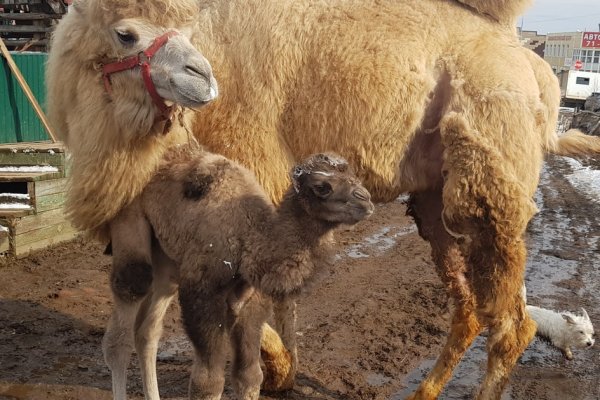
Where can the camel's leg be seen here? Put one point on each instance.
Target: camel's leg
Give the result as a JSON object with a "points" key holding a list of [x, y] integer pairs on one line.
{"points": [[502, 308], [486, 202], [245, 339], [207, 379], [148, 324], [426, 208], [117, 344], [285, 324], [207, 321], [131, 278]]}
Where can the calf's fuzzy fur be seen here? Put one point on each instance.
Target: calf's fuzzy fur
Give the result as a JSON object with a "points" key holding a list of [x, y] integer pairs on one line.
{"points": [[230, 251]]}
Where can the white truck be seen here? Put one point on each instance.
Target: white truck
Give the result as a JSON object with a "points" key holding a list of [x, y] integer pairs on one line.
{"points": [[576, 86]]}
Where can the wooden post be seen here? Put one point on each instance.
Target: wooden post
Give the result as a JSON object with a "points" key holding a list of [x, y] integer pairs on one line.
{"points": [[15, 70]]}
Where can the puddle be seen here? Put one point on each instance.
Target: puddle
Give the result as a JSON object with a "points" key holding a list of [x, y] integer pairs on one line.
{"points": [[379, 242], [175, 349]]}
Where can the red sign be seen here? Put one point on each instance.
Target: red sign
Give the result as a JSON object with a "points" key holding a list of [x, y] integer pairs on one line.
{"points": [[590, 39], [578, 65]]}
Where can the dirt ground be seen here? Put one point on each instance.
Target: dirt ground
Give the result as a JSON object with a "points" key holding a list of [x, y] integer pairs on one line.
{"points": [[368, 331], [382, 309]]}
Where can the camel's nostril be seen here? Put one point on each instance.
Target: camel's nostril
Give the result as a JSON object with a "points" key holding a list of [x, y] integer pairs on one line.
{"points": [[361, 194], [198, 70]]}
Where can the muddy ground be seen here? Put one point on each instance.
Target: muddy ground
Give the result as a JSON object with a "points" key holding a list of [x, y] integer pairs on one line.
{"points": [[369, 331]]}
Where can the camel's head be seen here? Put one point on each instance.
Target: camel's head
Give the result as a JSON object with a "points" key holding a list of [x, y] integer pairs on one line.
{"points": [[329, 190], [96, 34]]}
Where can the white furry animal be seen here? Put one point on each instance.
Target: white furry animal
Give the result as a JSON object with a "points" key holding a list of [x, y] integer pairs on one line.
{"points": [[564, 329]]}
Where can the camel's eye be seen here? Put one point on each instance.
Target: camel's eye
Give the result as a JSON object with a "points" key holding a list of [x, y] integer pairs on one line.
{"points": [[126, 38], [322, 190]]}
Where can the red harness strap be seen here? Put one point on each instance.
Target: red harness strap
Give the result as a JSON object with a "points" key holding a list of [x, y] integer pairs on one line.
{"points": [[143, 61]]}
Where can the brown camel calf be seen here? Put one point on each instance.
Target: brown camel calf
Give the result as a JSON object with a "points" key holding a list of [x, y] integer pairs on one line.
{"points": [[204, 224]]}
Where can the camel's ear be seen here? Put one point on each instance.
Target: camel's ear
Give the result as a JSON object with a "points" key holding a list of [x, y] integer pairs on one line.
{"points": [[585, 314], [568, 319]]}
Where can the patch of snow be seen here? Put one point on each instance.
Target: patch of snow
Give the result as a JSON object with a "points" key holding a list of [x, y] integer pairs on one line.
{"points": [[3, 228], [20, 196], [585, 179], [51, 151], [29, 168], [14, 206]]}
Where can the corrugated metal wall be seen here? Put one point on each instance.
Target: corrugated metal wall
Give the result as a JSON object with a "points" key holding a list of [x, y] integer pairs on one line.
{"points": [[18, 120]]}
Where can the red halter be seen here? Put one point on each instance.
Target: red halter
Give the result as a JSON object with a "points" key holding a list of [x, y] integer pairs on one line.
{"points": [[141, 60]]}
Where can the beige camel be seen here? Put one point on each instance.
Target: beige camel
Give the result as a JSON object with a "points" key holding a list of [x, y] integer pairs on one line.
{"points": [[431, 97]]}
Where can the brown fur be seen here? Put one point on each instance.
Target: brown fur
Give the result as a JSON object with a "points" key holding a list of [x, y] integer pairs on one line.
{"points": [[457, 113], [239, 251]]}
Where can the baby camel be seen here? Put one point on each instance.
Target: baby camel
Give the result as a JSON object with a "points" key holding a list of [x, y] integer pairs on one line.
{"points": [[204, 224]]}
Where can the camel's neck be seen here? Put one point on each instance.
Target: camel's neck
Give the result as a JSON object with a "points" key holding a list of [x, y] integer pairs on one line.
{"points": [[106, 180]]}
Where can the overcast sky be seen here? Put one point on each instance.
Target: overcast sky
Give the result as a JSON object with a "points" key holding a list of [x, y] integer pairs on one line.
{"points": [[562, 16]]}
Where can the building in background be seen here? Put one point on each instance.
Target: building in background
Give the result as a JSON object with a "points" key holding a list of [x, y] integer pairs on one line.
{"points": [[533, 41], [560, 48], [566, 51]]}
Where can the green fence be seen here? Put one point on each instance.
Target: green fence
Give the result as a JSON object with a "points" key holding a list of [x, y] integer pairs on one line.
{"points": [[18, 120]]}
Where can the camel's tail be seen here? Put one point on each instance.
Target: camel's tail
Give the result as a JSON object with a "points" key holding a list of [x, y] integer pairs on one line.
{"points": [[503, 11], [575, 143]]}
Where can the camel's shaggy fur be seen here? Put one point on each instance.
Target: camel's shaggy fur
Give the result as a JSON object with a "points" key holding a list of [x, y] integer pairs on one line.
{"points": [[432, 97], [233, 251]]}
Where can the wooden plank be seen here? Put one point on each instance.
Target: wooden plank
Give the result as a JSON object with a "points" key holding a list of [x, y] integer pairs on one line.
{"points": [[49, 202], [44, 233], [10, 214], [43, 146], [33, 158], [4, 240], [27, 90], [29, 176], [25, 29], [4, 245], [27, 16], [53, 186], [24, 250], [32, 222]]}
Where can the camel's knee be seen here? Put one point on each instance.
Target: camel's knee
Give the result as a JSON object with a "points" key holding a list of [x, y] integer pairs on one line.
{"points": [[510, 335], [207, 378], [117, 343], [247, 380], [131, 281]]}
